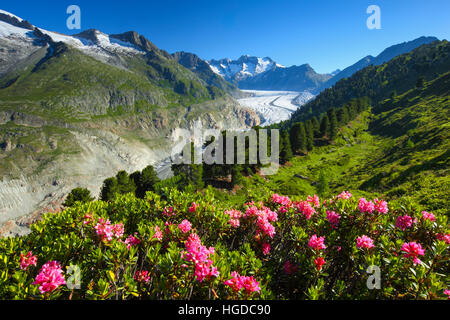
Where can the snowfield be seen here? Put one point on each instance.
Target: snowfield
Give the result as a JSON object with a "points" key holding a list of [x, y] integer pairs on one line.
{"points": [[275, 106]]}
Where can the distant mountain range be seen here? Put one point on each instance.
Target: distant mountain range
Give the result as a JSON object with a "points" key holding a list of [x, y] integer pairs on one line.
{"points": [[386, 55], [242, 68], [253, 73]]}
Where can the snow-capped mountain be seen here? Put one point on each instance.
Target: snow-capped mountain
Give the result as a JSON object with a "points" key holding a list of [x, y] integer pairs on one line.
{"points": [[244, 67], [19, 36]]}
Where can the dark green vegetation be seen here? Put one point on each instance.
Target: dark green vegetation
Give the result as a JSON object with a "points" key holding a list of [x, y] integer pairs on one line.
{"points": [[138, 183], [78, 194]]}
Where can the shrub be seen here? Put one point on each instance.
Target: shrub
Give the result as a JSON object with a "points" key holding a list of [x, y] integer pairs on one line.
{"points": [[187, 245]]}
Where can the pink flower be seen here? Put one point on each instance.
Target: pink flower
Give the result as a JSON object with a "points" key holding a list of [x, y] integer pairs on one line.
{"points": [[132, 241], [266, 248], [447, 292], [305, 208], [158, 234], [199, 256], [319, 263], [118, 230], [107, 231], [238, 282], [250, 285], [413, 250], [333, 217], [428, 216], [345, 195], [87, 219], [28, 260], [364, 242], [235, 215], [442, 237], [142, 276], [366, 206], [234, 282], [185, 226], [193, 207], [381, 206], [285, 201], [289, 268], [404, 222], [50, 277], [317, 243], [168, 212], [314, 200]]}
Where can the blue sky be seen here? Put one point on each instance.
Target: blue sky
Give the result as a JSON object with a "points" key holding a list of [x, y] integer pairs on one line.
{"points": [[326, 34]]}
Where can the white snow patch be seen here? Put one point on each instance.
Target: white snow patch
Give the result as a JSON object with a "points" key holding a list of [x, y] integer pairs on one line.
{"points": [[8, 30]]}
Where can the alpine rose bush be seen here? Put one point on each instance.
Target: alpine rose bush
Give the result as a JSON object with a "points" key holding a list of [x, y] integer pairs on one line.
{"points": [[186, 245]]}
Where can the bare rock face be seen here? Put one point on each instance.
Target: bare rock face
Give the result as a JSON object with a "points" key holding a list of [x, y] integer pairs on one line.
{"points": [[248, 117]]}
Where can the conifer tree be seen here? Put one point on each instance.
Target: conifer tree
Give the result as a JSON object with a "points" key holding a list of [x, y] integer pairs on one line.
{"points": [[324, 125], [333, 129], [285, 147]]}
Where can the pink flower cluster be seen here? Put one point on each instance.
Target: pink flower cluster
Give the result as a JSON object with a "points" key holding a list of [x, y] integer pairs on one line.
{"points": [[447, 293], [142, 276], [364, 242], [132, 241], [317, 243], [345, 195], [333, 218], [428, 216], [442, 237], [235, 215], [193, 207], [168, 212], [27, 260], [314, 200], [158, 234], [305, 208], [199, 256], [50, 277], [283, 200], [185, 226], [107, 231], [264, 218], [238, 282], [404, 222], [266, 248], [366, 206], [381, 206], [413, 250]]}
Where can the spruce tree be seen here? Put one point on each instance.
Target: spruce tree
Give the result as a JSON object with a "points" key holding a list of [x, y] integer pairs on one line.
{"points": [[147, 180], [324, 125], [309, 135], [125, 184], [316, 127], [285, 147], [333, 129], [78, 194], [298, 137], [236, 175], [109, 189]]}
